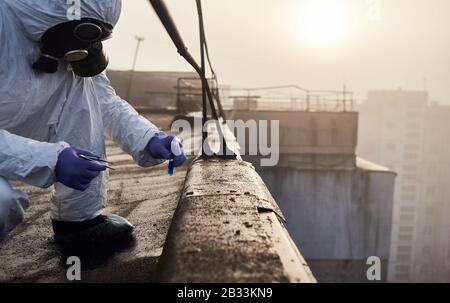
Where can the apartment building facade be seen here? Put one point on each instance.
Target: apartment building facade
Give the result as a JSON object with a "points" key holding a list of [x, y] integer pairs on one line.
{"points": [[403, 131]]}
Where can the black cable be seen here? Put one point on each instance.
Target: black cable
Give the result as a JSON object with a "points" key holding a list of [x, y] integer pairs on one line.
{"points": [[204, 44], [166, 19], [203, 72], [203, 48]]}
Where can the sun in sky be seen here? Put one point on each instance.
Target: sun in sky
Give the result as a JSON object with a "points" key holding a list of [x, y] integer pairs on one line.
{"points": [[324, 23]]}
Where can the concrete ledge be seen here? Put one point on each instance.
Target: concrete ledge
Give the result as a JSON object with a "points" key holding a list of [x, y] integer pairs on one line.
{"points": [[227, 228]]}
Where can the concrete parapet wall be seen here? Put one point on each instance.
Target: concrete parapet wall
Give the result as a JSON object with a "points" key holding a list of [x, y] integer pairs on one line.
{"points": [[228, 228], [335, 214], [311, 133]]}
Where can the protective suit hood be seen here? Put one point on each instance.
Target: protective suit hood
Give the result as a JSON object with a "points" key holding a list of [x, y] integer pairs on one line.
{"points": [[37, 16]]}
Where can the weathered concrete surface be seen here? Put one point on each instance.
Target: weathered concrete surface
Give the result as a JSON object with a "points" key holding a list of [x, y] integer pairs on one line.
{"points": [[310, 133], [147, 197], [222, 232], [335, 214]]}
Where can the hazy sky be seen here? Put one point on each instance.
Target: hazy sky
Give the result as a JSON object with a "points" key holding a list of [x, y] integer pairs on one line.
{"points": [[319, 44]]}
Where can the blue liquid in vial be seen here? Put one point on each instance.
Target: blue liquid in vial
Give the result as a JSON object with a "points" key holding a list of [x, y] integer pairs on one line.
{"points": [[170, 169]]}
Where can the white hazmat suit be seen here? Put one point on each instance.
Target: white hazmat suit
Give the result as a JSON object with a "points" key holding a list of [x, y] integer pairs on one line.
{"points": [[41, 114]]}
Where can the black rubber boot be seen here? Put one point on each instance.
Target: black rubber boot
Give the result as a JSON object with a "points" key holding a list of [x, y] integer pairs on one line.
{"points": [[104, 229]]}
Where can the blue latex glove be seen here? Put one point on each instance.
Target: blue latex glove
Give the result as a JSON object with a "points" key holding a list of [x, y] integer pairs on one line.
{"points": [[161, 147], [75, 172]]}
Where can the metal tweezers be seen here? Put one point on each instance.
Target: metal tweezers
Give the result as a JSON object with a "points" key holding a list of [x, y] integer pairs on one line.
{"points": [[88, 158]]}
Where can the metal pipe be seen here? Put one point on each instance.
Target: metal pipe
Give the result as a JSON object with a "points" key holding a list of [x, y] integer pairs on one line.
{"points": [[166, 19], [203, 73]]}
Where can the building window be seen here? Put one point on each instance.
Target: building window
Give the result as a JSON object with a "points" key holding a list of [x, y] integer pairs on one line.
{"points": [[433, 147], [412, 147], [404, 257], [414, 115], [402, 268], [404, 249], [407, 218], [405, 237], [431, 191], [411, 156], [391, 147], [410, 169], [401, 277], [425, 270], [406, 229], [411, 135], [433, 170], [409, 177], [407, 209], [413, 125], [408, 197], [428, 230], [409, 188], [391, 125], [426, 250]]}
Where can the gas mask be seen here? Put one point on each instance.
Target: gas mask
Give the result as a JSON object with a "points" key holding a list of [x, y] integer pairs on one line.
{"points": [[77, 42]]}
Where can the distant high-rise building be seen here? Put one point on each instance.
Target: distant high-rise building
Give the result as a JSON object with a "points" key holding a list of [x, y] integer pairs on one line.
{"points": [[401, 130]]}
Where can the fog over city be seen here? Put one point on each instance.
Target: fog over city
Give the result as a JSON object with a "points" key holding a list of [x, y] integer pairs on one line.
{"points": [[318, 44]]}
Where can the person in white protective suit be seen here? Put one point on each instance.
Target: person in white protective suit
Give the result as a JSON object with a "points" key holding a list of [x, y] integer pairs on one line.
{"points": [[55, 105]]}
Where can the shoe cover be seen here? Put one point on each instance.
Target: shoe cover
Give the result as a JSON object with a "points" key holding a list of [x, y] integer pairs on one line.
{"points": [[114, 229]]}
